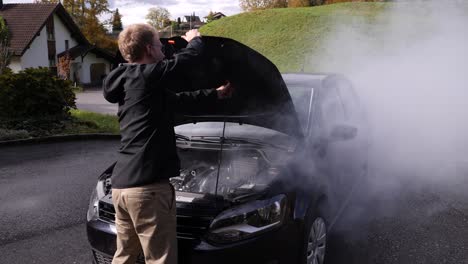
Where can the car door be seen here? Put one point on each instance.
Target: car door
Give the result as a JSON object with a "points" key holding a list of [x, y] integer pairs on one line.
{"points": [[335, 142]]}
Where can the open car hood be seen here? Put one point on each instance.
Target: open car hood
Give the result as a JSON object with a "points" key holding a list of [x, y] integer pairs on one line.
{"points": [[260, 97]]}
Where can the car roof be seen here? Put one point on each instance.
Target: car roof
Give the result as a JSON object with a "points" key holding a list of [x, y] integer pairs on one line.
{"points": [[313, 79]]}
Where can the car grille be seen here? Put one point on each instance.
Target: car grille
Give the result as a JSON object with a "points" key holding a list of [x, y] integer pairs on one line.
{"points": [[188, 227], [106, 212], [101, 259], [104, 259]]}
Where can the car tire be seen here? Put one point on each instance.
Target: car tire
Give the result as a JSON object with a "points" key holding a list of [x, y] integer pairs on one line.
{"points": [[315, 235]]}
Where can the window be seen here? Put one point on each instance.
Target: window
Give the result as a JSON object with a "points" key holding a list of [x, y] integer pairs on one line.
{"points": [[331, 109], [52, 62], [302, 99], [66, 44], [50, 29]]}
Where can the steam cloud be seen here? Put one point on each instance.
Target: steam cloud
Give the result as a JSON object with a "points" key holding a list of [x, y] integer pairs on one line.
{"points": [[409, 67]]}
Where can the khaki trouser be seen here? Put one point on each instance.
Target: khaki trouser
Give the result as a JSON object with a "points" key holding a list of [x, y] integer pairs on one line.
{"points": [[145, 220]]}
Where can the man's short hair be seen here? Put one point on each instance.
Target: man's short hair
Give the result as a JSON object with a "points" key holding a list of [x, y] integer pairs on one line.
{"points": [[133, 40]]}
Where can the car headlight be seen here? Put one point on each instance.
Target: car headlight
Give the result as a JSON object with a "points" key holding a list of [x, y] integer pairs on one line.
{"points": [[248, 220], [98, 193]]}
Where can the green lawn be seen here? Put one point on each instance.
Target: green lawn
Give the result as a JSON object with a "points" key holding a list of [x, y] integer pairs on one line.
{"points": [[81, 122], [302, 39], [90, 122]]}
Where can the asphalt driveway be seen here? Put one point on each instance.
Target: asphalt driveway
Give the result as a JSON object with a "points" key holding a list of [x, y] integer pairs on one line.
{"points": [[93, 100], [44, 192]]}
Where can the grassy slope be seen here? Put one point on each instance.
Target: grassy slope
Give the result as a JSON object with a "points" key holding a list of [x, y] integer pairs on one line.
{"points": [[295, 39], [283, 35]]}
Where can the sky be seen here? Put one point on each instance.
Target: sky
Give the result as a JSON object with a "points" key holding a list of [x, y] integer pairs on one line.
{"points": [[134, 11]]}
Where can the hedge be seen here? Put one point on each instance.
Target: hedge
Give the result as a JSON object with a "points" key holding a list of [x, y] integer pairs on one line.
{"points": [[34, 93]]}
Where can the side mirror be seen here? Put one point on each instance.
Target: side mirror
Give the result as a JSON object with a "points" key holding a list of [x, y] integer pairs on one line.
{"points": [[343, 132]]}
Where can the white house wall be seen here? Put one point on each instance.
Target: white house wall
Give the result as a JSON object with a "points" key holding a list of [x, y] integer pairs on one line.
{"points": [[37, 54], [86, 66], [15, 64], [61, 34]]}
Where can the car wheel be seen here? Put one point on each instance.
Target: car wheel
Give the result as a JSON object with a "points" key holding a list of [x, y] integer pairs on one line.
{"points": [[315, 239]]}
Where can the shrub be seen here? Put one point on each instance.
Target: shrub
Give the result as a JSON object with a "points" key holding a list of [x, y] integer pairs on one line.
{"points": [[34, 93], [7, 134], [38, 126], [298, 3]]}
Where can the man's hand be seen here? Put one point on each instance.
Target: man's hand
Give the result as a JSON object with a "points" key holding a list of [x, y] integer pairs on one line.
{"points": [[225, 91], [189, 35]]}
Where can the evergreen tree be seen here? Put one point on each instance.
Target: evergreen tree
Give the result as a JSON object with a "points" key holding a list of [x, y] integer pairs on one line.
{"points": [[117, 21], [5, 53]]}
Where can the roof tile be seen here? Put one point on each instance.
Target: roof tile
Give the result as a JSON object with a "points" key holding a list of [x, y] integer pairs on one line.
{"points": [[24, 21]]}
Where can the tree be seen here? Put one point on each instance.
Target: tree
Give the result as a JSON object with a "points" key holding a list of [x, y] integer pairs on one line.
{"points": [[158, 17], [86, 15], [117, 21], [76, 9], [95, 32], [210, 17], [63, 67], [298, 3], [319, 2], [4, 33], [5, 52], [251, 5], [81, 10]]}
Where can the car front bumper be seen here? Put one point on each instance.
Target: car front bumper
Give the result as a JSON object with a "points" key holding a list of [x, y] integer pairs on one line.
{"points": [[276, 246]]}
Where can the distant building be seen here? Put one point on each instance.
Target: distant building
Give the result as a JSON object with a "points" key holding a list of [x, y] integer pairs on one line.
{"points": [[191, 22], [182, 26], [41, 33], [218, 15]]}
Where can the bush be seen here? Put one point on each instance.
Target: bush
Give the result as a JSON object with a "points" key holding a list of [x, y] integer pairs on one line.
{"points": [[6, 134], [38, 126], [298, 3], [34, 93]]}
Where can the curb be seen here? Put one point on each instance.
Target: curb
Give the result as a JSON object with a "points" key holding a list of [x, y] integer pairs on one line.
{"points": [[63, 138]]}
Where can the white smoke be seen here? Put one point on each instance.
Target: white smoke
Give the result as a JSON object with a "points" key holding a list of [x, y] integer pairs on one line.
{"points": [[409, 65]]}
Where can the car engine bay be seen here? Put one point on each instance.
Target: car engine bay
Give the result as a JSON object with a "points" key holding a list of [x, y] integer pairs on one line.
{"points": [[241, 172]]}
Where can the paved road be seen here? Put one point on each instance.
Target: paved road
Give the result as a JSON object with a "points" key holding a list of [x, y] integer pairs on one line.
{"points": [[44, 192], [411, 225], [93, 100]]}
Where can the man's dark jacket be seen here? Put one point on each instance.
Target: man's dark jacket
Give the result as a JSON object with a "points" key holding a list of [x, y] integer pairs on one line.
{"points": [[148, 152]]}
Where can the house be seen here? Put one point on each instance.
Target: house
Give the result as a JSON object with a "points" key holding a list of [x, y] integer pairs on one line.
{"points": [[191, 22], [41, 33], [217, 15]]}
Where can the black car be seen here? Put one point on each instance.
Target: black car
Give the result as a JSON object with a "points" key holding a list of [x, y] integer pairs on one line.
{"points": [[265, 175]]}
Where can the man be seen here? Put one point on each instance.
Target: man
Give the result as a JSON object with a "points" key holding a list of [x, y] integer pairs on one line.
{"points": [[143, 198]]}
